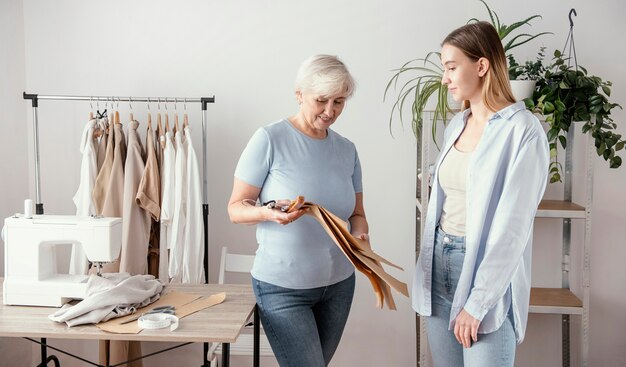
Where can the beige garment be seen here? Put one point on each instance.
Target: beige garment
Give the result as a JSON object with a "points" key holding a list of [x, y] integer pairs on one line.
{"points": [[149, 198], [102, 141], [148, 195], [108, 197], [101, 185], [136, 223], [452, 178], [360, 254]]}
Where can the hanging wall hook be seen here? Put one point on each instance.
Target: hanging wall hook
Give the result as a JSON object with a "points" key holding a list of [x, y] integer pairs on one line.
{"points": [[571, 22]]}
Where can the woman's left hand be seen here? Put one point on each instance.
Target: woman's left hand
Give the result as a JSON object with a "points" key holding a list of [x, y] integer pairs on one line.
{"points": [[466, 329], [362, 236]]}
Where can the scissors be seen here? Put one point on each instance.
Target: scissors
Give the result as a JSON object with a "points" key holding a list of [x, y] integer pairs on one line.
{"points": [[170, 310]]}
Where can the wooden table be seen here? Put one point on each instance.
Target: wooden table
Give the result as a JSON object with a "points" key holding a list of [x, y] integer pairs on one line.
{"points": [[221, 323]]}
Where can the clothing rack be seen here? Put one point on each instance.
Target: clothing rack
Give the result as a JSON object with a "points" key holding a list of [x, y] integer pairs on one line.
{"points": [[202, 100], [205, 206]]}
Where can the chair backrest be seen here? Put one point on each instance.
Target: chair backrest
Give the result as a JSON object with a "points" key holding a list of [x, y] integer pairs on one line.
{"points": [[234, 263]]}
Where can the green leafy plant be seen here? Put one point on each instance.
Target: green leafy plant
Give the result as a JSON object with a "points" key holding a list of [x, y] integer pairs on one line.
{"points": [[531, 70], [565, 94], [424, 81], [425, 74], [504, 31]]}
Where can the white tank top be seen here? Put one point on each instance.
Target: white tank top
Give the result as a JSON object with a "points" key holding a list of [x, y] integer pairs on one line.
{"points": [[452, 178]]}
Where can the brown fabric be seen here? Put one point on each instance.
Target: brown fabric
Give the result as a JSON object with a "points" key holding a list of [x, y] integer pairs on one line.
{"points": [[136, 223], [102, 142], [148, 195], [361, 255], [149, 198]]}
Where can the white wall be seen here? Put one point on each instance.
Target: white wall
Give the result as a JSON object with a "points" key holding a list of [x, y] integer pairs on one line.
{"points": [[13, 142], [246, 54]]}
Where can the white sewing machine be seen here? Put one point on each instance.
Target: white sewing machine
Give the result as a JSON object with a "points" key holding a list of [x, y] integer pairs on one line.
{"points": [[30, 260]]}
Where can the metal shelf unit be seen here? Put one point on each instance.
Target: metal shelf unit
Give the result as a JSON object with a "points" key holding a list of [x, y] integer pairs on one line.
{"points": [[557, 301]]}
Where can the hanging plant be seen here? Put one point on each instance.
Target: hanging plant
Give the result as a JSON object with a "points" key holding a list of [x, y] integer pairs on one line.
{"points": [[566, 94]]}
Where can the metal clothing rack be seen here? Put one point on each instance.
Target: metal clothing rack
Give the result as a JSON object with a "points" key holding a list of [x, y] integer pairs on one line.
{"points": [[35, 98]]}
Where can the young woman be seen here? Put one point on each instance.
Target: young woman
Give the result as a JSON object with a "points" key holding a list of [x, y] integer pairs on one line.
{"points": [[472, 278], [302, 281]]}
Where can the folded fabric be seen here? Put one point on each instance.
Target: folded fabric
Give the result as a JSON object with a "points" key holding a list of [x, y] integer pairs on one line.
{"points": [[360, 254], [108, 296]]}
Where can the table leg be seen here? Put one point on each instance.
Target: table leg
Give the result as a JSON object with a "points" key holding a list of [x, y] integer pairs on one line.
{"points": [[44, 353], [256, 339], [225, 354]]}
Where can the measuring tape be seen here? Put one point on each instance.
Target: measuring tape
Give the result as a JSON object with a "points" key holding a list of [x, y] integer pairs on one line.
{"points": [[158, 321]]}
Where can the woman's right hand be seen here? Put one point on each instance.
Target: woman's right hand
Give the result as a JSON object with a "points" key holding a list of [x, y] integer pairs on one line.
{"points": [[279, 216]]}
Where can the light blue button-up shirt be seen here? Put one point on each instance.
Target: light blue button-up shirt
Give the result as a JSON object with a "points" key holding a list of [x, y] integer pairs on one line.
{"points": [[507, 176]]}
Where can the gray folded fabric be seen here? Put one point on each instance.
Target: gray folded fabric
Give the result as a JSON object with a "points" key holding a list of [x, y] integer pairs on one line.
{"points": [[109, 296]]}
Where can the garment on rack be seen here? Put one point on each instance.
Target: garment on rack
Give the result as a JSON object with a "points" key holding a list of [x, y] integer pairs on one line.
{"points": [[167, 203], [101, 147], [136, 221], [149, 198], [148, 194], [109, 296], [178, 216], [109, 195], [101, 185], [193, 246], [83, 199]]}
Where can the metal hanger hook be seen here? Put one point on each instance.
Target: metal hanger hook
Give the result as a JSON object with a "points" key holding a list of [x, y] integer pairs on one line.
{"points": [[571, 22], [185, 104], [176, 104], [166, 104], [130, 102]]}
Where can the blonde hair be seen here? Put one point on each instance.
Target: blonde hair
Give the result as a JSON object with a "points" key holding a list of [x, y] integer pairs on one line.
{"points": [[325, 75], [478, 40]]}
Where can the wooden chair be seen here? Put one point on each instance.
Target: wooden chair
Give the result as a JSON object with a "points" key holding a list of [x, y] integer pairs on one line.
{"points": [[237, 263]]}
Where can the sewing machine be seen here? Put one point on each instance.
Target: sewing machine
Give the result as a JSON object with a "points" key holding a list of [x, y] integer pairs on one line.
{"points": [[30, 257]]}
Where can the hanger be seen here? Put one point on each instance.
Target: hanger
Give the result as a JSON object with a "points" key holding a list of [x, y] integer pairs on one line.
{"points": [[159, 112], [103, 114], [149, 114], [176, 113], [117, 112], [185, 119], [130, 100], [167, 118], [91, 105]]}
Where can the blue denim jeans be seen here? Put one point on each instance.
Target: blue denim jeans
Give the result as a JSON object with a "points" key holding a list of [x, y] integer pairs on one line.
{"points": [[495, 349], [304, 326]]}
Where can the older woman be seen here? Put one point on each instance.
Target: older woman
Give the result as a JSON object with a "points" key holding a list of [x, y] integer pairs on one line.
{"points": [[303, 283]]}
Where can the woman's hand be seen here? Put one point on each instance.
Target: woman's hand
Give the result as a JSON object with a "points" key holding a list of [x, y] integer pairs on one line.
{"points": [[281, 217], [466, 329], [362, 236]]}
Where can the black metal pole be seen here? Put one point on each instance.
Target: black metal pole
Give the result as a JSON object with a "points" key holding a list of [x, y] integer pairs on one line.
{"points": [[257, 338]]}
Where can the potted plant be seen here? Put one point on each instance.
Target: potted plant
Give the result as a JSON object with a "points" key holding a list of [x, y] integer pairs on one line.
{"points": [[524, 78], [425, 81], [424, 75], [565, 94], [520, 76]]}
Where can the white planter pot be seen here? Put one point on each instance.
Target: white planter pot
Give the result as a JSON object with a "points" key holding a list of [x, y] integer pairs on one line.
{"points": [[523, 89]]}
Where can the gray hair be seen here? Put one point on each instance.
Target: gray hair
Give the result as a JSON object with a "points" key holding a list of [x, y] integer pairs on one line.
{"points": [[325, 75]]}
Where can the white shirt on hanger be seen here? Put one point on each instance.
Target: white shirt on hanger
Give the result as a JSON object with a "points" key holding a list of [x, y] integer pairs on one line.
{"points": [[193, 255], [167, 204], [178, 216], [83, 198]]}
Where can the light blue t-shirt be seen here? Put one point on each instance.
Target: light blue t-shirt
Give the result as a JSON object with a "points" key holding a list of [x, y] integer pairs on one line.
{"points": [[285, 163]]}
